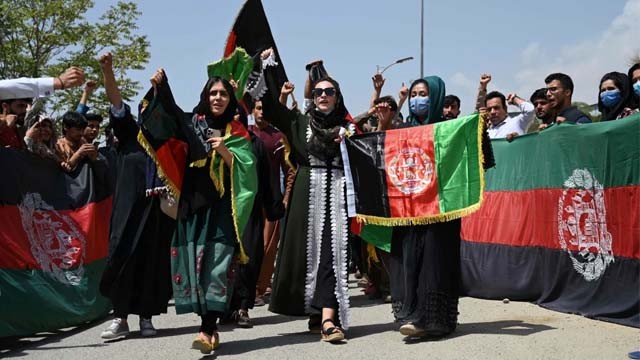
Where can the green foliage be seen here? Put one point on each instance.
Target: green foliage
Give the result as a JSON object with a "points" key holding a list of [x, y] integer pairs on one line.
{"points": [[45, 37], [589, 110]]}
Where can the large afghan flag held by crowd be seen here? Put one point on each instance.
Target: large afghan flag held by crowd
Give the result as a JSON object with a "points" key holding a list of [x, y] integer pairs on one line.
{"points": [[560, 222], [54, 231], [418, 175]]}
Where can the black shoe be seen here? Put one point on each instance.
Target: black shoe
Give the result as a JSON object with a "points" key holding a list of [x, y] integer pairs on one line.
{"points": [[315, 323], [243, 320]]}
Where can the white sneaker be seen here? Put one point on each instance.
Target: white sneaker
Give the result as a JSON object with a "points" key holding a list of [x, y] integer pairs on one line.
{"points": [[146, 327], [116, 329]]}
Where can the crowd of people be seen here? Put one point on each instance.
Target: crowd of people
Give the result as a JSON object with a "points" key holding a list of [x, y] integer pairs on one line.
{"points": [[185, 240]]}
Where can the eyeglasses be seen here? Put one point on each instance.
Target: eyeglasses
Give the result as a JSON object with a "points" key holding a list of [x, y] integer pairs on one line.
{"points": [[317, 92]]}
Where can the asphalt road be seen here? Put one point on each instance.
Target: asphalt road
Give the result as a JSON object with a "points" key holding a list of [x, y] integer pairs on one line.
{"points": [[488, 330]]}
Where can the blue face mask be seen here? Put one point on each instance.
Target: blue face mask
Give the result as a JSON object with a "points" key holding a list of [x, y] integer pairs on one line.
{"points": [[636, 88], [419, 105], [610, 97]]}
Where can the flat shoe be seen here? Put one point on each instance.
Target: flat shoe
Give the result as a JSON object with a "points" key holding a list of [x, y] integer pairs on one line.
{"points": [[204, 346]]}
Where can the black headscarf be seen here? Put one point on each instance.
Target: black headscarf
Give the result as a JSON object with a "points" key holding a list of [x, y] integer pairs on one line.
{"points": [[634, 102], [326, 127], [622, 82]]}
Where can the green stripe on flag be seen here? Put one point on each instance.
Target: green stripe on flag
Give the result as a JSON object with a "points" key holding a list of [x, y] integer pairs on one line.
{"points": [[546, 159], [34, 301], [457, 163]]}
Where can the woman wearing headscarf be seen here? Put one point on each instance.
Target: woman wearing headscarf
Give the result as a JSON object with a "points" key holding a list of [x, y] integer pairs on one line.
{"points": [[311, 275], [615, 97], [41, 138], [425, 259], [634, 84], [217, 190]]}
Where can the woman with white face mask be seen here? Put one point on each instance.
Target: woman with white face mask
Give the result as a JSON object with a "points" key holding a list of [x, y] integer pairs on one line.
{"points": [[615, 96]]}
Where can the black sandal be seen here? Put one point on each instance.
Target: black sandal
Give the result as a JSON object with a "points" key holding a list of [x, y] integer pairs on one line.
{"points": [[333, 334]]}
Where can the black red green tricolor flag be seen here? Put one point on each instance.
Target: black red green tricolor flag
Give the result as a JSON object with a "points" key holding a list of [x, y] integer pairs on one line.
{"points": [[560, 222], [417, 175], [251, 32], [54, 231]]}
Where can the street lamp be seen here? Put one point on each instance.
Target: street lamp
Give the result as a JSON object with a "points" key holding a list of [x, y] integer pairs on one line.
{"points": [[393, 63]]}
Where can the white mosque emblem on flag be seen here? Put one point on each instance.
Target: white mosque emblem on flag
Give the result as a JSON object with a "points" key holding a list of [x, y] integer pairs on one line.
{"points": [[56, 243], [411, 170], [582, 225]]}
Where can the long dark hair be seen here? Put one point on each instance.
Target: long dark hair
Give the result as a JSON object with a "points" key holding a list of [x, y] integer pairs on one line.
{"points": [[622, 82], [204, 107]]}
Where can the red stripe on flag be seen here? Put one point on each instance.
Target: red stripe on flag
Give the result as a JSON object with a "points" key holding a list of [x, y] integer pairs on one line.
{"points": [[412, 185], [237, 129], [19, 252], [172, 155], [530, 218], [231, 44]]}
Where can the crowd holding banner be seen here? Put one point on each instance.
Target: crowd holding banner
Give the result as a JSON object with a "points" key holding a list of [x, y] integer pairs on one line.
{"points": [[196, 198]]}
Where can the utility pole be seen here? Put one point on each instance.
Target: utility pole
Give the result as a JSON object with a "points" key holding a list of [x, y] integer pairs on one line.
{"points": [[421, 39]]}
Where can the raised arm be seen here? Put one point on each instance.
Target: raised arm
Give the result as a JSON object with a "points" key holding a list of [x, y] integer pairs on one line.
{"points": [[378, 82], [89, 88], [110, 85], [276, 113], [482, 90]]}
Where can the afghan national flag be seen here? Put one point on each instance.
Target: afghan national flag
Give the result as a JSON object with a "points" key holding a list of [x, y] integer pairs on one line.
{"points": [[418, 175], [252, 33], [237, 65], [166, 137], [560, 222], [54, 231]]}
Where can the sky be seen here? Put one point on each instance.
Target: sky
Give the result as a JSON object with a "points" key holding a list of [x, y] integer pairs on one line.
{"points": [[518, 42]]}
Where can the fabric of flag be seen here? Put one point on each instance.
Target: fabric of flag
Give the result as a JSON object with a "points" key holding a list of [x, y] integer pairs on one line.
{"points": [[251, 32], [417, 175], [560, 222], [236, 66], [54, 231]]}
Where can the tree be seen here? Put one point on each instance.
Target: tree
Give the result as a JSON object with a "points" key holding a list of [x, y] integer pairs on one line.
{"points": [[44, 37], [591, 110]]}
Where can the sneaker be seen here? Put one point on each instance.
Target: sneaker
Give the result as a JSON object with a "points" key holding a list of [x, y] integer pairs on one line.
{"points": [[412, 330], [146, 327], [117, 329]]}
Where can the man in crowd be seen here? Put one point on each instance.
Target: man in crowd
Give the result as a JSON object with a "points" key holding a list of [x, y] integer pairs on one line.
{"points": [[451, 109], [545, 114], [92, 130], [501, 125], [272, 139], [71, 149], [559, 92], [16, 96]]}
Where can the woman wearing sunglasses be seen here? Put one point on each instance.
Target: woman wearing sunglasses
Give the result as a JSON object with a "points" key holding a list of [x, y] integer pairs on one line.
{"points": [[311, 275]]}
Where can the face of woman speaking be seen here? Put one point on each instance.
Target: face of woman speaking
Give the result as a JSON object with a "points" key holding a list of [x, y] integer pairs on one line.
{"points": [[324, 102], [218, 99]]}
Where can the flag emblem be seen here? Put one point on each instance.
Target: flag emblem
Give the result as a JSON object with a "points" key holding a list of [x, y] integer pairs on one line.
{"points": [[583, 226], [411, 170]]}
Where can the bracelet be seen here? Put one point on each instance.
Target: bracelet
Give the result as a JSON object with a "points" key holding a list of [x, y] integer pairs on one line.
{"points": [[61, 83]]}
